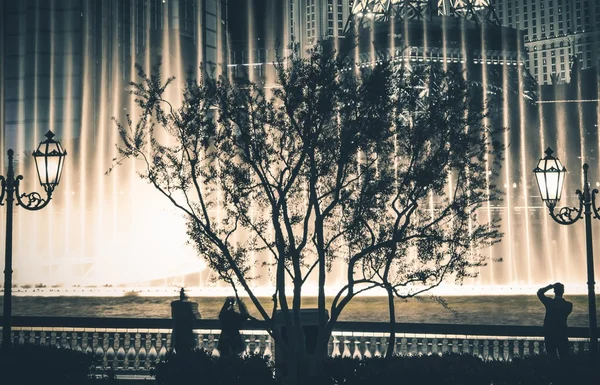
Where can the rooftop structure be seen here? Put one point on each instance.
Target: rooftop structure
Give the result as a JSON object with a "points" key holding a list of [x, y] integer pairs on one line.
{"points": [[478, 11]]}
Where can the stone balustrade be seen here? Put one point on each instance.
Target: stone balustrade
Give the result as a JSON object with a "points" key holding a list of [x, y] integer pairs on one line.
{"points": [[134, 345]]}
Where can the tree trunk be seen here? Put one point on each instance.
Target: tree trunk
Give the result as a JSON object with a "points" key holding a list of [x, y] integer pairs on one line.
{"points": [[392, 341]]}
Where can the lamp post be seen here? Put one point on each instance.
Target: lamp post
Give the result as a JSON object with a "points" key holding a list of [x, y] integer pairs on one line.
{"points": [[49, 160], [550, 176]]}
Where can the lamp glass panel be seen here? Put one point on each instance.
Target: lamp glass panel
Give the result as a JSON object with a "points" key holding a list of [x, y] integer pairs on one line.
{"points": [[561, 182], [541, 181], [53, 163], [40, 166], [550, 177], [552, 184]]}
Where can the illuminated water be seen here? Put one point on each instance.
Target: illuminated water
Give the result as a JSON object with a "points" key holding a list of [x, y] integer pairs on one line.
{"points": [[117, 230]]}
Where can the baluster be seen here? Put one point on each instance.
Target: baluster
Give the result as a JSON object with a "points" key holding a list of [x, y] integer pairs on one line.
{"points": [[206, 342], [20, 337], [486, 349], [246, 351], [499, 349], [58, 343], [384, 344], [496, 349], [336, 347], [467, 348], [215, 351], [38, 338], [377, 351], [196, 341], [435, 347], [168, 341], [152, 353], [536, 347], [455, 346], [102, 346], [404, 346], [119, 339], [142, 352], [413, 347], [201, 342], [85, 343], [575, 346], [346, 352], [367, 353], [268, 352], [250, 344], [65, 339], [445, 346], [55, 339], [70, 339], [420, 349], [476, 348], [130, 357], [427, 346], [211, 342], [110, 351], [77, 340], [99, 346], [31, 337], [162, 352], [357, 355], [258, 343], [507, 352], [515, 349], [92, 342]]}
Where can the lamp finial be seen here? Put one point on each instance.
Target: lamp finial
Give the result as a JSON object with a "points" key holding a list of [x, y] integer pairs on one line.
{"points": [[49, 134]]}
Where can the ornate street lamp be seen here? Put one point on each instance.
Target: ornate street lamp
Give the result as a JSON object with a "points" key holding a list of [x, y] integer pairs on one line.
{"points": [[49, 160], [550, 176]]}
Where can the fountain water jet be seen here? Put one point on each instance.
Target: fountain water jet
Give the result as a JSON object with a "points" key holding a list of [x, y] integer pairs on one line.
{"points": [[102, 229]]}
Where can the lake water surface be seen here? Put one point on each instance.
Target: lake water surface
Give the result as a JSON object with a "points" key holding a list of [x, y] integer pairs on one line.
{"points": [[482, 310]]}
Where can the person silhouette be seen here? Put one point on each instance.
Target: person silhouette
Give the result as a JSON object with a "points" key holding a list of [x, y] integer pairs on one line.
{"points": [[556, 337], [184, 313], [230, 341]]}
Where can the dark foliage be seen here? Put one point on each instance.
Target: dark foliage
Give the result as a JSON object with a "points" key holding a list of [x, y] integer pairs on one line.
{"points": [[39, 364], [455, 369], [448, 369], [200, 367]]}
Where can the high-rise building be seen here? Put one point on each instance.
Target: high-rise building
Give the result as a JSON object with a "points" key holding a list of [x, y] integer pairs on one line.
{"points": [[308, 21], [556, 31]]}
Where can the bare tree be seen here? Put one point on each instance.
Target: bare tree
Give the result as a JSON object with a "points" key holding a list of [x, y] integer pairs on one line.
{"points": [[382, 170]]}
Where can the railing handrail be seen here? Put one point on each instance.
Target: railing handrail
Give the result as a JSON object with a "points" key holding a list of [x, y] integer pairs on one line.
{"points": [[341, 326]]}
